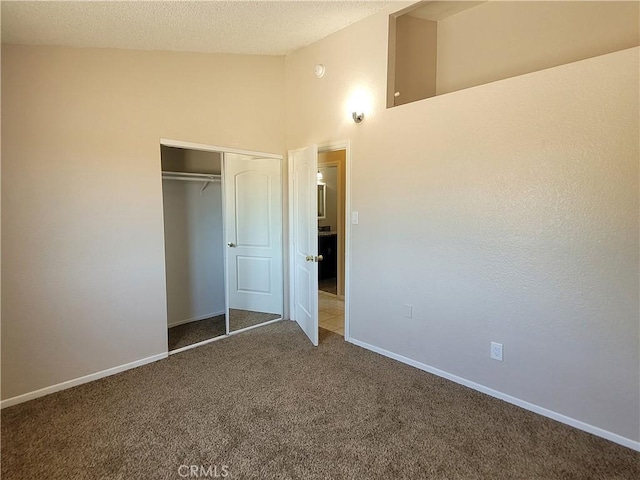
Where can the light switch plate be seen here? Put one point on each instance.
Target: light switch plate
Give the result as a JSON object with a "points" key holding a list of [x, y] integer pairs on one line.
{"points": [[354, 218]]}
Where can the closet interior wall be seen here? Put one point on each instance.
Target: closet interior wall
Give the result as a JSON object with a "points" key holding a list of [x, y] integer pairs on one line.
{"points": [[193, 232]]}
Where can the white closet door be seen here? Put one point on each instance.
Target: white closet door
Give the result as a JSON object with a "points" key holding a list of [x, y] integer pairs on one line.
{"points": [[253, 230]]}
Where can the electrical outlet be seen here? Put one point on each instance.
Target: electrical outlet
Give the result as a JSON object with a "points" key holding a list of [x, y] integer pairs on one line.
{"points": [[408, 311], [496, 351]]}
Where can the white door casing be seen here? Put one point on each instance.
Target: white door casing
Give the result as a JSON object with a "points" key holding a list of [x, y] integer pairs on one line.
{"points": [[303, 166], [253, 231]]}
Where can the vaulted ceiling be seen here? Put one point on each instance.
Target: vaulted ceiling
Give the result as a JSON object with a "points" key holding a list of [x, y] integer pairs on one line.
{"points": [[243, 27]]}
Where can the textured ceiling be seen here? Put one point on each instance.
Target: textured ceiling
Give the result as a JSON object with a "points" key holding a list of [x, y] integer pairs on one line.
{"points": [[247, 27]]}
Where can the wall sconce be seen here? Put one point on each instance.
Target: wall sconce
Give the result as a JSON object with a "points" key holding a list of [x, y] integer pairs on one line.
{"points": [[358, 104]]}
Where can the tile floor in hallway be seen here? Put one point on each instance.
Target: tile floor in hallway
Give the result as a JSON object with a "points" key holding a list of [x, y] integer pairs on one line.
{"points": [[331, 312]]}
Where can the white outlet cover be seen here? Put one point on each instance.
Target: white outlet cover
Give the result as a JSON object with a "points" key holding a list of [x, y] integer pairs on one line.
{"points": [[408, 311], [496, 351]]}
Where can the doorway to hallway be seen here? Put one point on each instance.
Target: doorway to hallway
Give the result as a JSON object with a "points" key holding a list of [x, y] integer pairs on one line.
{"points": [[331, 238], [330, 312], [307, 207]]}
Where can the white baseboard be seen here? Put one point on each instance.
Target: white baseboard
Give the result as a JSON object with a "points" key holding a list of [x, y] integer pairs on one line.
{"points": [[195, 319], [79, 381], [614, 437]]}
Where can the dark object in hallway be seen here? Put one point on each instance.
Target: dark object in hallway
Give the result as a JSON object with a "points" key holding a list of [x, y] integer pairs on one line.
{"points": [[328, 248]]}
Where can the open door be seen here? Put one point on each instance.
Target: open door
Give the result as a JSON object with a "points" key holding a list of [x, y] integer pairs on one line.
{"points": [[303, 167], [253, 231]]}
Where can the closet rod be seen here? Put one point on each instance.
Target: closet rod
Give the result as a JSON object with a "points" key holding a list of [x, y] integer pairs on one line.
{"points": [[187, 179], [197, 177], [205, 178]]}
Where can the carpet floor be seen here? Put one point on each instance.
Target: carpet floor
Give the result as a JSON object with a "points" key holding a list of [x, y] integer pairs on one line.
{"points": [[194, 332], [266, 404], [239, 319], [201, 330]]}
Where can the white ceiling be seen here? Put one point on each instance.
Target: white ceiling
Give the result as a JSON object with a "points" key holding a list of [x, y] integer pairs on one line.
{"points": [[259, 27]]}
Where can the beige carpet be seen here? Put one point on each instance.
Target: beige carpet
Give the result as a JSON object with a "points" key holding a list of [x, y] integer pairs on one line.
{"points": [[201, 330], [267, 404], [239, 319], [194, 332]]}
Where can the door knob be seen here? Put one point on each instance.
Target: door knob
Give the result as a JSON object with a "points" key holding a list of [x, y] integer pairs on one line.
{"points": [[319, 258], [231, 244]]}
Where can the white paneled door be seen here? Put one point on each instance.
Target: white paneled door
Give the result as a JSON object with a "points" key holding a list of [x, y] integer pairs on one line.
{"points": [[303, 167], [253, 232]]}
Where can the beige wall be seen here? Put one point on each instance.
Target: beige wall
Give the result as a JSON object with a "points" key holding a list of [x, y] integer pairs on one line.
{"points": [[507, 212], [498, 40], [82, 234], [416, 55]]}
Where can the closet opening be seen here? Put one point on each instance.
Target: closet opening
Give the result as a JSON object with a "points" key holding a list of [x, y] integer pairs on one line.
{"points": [[223, 241], [331, 239], [194, 248]]}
